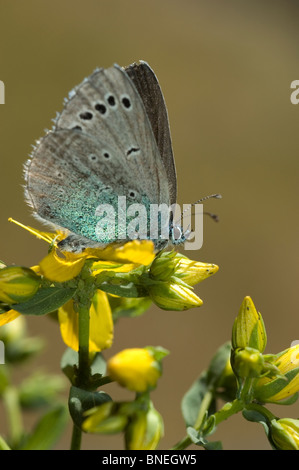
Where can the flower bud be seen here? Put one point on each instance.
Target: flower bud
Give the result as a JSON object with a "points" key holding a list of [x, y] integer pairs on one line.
{"points": [[193, 272], [17, 284], [172, 296], [175, 264], [144, 430], [247, 362], [163, 266], [285, 433], [136, 369], [248, 328], [284, 386], [105, 419]]}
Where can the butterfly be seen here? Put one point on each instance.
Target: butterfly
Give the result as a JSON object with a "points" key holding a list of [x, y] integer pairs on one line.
{"points": [[111, 140]]}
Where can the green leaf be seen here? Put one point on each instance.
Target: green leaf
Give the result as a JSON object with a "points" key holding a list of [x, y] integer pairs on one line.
{"points": [[128, 307], [48, 430], [192, 400], [254, 416], [46, 300], [68, 364], [270, 389], [98, 365], [98, 369], [158, 352], [194, 435], [209, 425], [81, 400], [216, 445], [124, 289], [218, 363], [200, 441]]}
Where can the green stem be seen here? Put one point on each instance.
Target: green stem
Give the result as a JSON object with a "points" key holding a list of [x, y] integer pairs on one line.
{"points": [[84, 367], [244, 391], [262, 410], [83, 375], [205, 404], [76, 438], [226, 411]]}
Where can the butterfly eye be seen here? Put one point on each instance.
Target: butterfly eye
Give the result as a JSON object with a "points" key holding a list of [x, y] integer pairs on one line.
{"points": [[77, 128], [92, 157]]}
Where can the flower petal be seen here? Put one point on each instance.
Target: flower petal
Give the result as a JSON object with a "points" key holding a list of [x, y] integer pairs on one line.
{"points": [[135, 251], [99, 266], [8, 317], [193, 272], [101, 324], [59, 269]]}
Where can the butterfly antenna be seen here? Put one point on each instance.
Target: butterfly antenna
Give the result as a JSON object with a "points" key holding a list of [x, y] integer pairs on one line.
{"points": [[213, 216]]}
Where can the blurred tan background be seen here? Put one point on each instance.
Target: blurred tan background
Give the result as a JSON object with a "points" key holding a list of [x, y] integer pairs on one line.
{"points": [[225, 69]]}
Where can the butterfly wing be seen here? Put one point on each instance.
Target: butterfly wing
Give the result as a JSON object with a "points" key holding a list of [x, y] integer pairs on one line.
{"points": [[151, 94], [102, 147]]}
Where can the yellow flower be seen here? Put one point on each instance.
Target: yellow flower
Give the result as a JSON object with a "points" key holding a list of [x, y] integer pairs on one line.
{"points": [[135, 369], [125, 270], [101, 324], [63, 267], [122, 259], [273, 390]]}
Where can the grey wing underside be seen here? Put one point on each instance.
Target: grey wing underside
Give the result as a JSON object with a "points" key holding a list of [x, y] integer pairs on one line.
{"points": [[86, 161], [151, 94]]}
